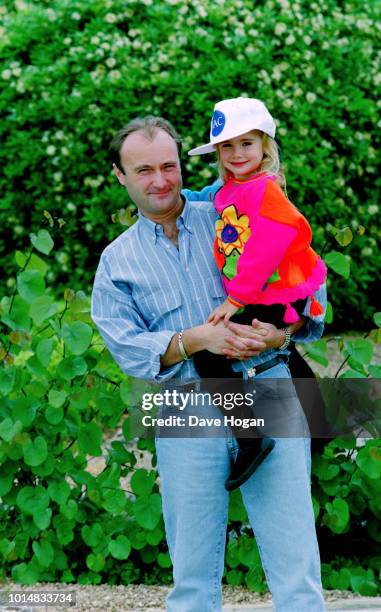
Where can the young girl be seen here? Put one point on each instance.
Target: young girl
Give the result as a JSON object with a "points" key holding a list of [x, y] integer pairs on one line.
{"points": [[263, 243]]}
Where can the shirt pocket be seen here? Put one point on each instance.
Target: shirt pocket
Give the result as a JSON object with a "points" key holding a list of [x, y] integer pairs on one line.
{"points": [[159, 307], [216, 287]]}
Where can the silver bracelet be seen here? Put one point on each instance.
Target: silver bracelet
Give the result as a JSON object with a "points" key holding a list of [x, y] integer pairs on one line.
{"points": [[287, 339], [182, 350]]}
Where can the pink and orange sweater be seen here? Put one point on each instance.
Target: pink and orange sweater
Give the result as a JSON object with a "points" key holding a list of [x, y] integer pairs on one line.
{"points": [[263, 247]]}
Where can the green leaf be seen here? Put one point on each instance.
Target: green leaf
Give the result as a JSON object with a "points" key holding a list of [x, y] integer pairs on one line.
{"points": [[164, 560], [59, 491], [96, 562], [369, 461], [7, 379], [317, 351], [377, 318], [237, 511], [142, 482], [155, 537], [92, 536], [360, 349], [248, 552], [375, 371], [6, 482], [338, 263], [337, 517], [8, 429], [30, 285], [71, 367], [120, 548], [44, 552], [54, 415], [35, 451], [44, 351], [24, 410], [77, 336], [64, 529], [32, 499], [42, 241], [90, 438], [148, 511], [234, 577], [115, 501], [43, 308], [232, 558], [57, 398], [70, 509], [254, 580], [344, 236], [35, 262], [328, 318]]}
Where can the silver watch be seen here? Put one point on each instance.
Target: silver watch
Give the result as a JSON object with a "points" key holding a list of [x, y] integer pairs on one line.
{"points": [[287, 339]]}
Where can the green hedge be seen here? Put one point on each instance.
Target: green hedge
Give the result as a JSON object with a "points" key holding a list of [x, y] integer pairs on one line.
{"points": [[61, 395], [73, 72]]}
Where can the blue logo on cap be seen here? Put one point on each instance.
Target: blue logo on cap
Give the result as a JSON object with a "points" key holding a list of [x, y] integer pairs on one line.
{"points": [[218, 123]]}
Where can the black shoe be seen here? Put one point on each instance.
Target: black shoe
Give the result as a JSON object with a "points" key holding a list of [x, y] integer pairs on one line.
{"points": [[248, 459]]}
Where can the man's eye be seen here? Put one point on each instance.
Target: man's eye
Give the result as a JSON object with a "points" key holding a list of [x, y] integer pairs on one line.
{"points": [[169, 167], [247, 144], [143, 171]]}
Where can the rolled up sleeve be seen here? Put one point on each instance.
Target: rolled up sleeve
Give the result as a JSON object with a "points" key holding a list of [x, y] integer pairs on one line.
{"points": [[314, 326], [136, 349]]}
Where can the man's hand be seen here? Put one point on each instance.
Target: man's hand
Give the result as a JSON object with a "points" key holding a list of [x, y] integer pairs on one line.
{"points": [[234, 340], [225, 311]]}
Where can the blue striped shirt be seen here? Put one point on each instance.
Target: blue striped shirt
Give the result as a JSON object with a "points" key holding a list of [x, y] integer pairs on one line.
{"points": [[145, 290]]}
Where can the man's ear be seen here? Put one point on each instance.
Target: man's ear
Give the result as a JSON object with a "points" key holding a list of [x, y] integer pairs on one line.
{"points": [[119, 175]]}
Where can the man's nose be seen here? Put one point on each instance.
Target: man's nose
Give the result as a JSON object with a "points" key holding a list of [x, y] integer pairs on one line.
{"points": [[159, 179]]}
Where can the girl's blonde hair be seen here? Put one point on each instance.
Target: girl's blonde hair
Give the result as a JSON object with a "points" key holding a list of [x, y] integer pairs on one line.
{"points": [[270, 163]]}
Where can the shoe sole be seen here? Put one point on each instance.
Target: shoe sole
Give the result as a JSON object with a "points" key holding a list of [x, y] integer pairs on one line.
{"points": [[237, 482]]}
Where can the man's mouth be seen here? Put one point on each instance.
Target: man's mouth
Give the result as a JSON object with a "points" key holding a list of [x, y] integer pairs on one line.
{"points": [[161, 194]]}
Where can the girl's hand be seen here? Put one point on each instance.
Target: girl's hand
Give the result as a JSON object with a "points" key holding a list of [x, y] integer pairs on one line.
{"points": [[225, 311]]}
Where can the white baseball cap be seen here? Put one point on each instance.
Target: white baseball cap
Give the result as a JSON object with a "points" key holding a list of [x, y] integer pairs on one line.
{"points": [[234, 117]]}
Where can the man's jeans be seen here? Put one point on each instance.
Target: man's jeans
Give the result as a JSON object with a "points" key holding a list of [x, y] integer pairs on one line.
{"points": [[278, 502]]}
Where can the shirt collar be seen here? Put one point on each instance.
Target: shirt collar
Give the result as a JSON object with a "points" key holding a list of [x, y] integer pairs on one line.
{"points": [[155, 229]]}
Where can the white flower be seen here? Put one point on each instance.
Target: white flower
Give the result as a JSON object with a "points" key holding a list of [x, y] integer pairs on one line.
{"points": [[366, 251], [16, 72], [110, 62], [70, 206], [307, 40], [76, 16], [57, 176], [50, 150], [110, 18], [311, 97], [65, 151], [95, 40], [6, 75], [115, 75], [52, 15], [282, 131], [373, 209], [290, 39], [280, 28], [67, 41], [60, 135], [287, 103]]}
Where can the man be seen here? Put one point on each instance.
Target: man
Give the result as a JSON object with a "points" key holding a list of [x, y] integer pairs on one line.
{"points": [[155, 286]]}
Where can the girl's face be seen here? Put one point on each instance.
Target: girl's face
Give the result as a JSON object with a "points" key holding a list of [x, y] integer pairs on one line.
{"points": [[242, 156]]}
